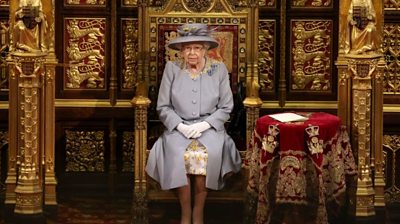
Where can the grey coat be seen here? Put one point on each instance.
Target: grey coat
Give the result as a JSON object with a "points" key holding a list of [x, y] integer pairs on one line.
{"points": [[183, 99]]}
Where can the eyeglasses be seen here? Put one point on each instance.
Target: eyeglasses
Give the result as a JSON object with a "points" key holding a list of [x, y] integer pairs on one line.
{"points": [[195, 49]]}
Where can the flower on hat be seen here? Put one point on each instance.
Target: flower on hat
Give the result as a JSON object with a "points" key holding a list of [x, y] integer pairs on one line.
{"points": [[193, 32]]}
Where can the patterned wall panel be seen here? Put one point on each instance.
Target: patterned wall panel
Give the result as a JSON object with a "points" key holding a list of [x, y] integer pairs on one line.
{"points": [[129, 55], [391, 49], [312, 3], [4, 44], [311, 55], [130, 3], [84, 53], [267, 3], [85, 2], [267, 54], [84, 151], [391, 150], [128, 146], [3, 143], [391, 4], [3, 138]]}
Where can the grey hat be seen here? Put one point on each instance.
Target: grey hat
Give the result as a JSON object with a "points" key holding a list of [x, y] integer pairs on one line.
{"points": [[192, 32]]}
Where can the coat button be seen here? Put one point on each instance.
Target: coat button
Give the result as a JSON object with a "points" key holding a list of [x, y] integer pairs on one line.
{"points": [[194, 90], [193, 113], [194, 101]]}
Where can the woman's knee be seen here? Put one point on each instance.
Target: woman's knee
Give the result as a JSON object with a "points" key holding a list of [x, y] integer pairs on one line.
{"points": [[200, 183]]}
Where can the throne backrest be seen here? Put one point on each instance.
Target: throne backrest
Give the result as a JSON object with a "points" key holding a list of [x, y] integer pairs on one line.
{"points": [[230, 25]]}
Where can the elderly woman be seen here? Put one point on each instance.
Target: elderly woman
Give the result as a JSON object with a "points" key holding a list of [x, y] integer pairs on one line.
{"points": [[194, 102]]}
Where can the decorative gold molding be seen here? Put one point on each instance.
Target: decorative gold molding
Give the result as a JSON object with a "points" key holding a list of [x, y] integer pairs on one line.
{"points": [[392, 5], [128, 151], [311, 55], [84, 53], [392, 192], [91, 103], [91, 3], [300, 105], [30, 72], [314, 4]]}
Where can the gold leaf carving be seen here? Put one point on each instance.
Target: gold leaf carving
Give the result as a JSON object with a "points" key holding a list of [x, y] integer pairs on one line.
{"points": [[312, 3], [130, 50], [86, 2], [392, 4], [266, 57], [311, 55], [197, 5], [84, 151], [391, 49], [85, 53], [128, 157]]}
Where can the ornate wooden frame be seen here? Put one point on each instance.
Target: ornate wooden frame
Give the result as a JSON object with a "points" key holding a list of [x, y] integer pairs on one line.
{"points": [[238, 19]]}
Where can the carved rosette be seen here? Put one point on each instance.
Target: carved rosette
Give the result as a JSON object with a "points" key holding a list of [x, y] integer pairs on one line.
{"points": [[84, 151], [198, 5]]}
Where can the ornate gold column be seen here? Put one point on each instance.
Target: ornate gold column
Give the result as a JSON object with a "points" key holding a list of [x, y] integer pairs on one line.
{"points": [[48, 131], [377, 134], [31, 181], [13, 127], [139, 206], [360, 95], [29, 71], [363, 69], [344, 92], [252, 102], [141, 103], [48, 158]]}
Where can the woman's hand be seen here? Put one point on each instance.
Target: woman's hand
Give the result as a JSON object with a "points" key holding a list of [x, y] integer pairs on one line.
{"points": [[201, 126], [188, 131]]}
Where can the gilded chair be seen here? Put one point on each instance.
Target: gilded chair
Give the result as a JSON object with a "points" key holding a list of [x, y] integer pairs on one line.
{"points": [[233, 26]]}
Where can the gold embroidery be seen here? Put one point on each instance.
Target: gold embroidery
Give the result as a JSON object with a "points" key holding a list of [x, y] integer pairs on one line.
{"points": [[315, 145], [196, 158], [269, 143]]}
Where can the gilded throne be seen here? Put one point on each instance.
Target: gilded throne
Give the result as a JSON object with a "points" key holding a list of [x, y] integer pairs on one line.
{"points": [[230, 22]]}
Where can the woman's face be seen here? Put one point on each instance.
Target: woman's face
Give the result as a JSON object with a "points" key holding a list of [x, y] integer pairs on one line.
{"points": [[193, 53]]}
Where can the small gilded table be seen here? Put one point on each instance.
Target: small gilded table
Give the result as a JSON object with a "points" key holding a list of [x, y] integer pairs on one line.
{"points": [[298, 164]]}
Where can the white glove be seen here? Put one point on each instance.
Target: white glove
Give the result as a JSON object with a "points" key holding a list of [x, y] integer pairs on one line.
{"points": [[201, 126], [188, 131]]}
